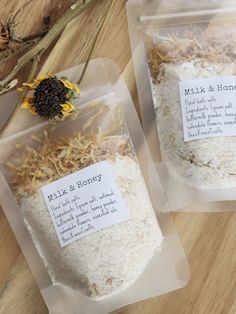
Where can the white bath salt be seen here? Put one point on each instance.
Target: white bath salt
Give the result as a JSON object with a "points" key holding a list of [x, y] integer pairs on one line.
{"points": [[204, 163], [110, 259]]}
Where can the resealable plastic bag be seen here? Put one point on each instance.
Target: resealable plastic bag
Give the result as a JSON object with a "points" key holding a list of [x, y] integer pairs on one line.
{"points": [[184, 61], [59, 183]]}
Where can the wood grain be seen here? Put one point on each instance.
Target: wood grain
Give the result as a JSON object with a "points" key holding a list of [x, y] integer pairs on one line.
{"points": [[209, 239]]}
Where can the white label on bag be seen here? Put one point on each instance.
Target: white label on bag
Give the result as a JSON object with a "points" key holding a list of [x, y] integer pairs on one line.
{"points": [[84, 202], [208, 107]]}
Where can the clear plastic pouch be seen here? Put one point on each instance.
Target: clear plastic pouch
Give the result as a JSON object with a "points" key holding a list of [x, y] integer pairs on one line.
{"points": [[128, 260], [176, 47]]}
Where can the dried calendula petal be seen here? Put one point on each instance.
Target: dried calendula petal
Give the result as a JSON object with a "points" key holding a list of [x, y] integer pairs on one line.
{"points": [[79, 150]]}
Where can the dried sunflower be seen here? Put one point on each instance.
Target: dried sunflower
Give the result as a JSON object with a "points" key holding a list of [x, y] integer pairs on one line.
{"points": [[53, 98]]}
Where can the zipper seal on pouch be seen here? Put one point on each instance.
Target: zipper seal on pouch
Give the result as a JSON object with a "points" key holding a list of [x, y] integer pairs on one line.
{"points": [[84, 102], [145, 18]]}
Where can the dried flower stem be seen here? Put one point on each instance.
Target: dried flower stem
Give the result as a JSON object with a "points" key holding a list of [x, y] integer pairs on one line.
{"points": [[20, 10], [34, 36], [44, 43], [23, 94], [95, 39], [26, 42], [8, 53]]}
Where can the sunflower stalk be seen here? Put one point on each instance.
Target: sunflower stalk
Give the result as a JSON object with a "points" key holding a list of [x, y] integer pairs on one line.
{"points": [[76, 9]]}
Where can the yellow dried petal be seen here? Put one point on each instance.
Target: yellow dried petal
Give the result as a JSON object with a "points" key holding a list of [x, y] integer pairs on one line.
{"points": [[76, 88], [67, 84], [37, 81], [44, 77], [30, 85], [70, 85], [67, 109], [40, 79], [32, 110], [27, 104]]}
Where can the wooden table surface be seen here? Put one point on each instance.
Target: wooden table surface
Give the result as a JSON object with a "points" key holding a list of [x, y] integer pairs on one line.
{"points": [[209, 239]]}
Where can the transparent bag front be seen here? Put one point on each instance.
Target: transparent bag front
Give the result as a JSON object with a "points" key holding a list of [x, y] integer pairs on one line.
{"points": [[187, 49], [81, 258]]}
